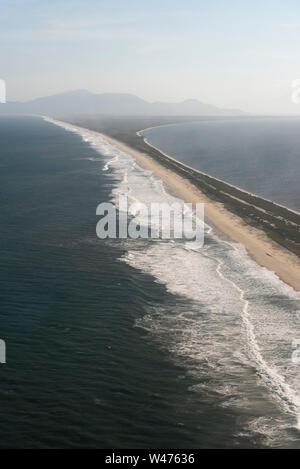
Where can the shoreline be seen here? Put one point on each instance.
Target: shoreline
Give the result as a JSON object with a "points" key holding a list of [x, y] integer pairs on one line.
{"points": [[139, 133], [265, 251]]}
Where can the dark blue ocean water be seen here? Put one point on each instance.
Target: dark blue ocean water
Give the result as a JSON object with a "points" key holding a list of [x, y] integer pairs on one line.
{"points": [[260, 155], [102, 353]]}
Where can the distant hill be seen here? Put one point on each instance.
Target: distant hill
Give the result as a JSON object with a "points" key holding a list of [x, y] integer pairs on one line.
{"points": [[85, 102]]}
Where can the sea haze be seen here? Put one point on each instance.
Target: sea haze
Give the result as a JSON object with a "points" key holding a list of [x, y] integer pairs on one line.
{"points": [[260, 155], [129, 343]]}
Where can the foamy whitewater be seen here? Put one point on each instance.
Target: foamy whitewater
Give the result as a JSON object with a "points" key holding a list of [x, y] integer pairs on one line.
{"points": [[231, 318]]}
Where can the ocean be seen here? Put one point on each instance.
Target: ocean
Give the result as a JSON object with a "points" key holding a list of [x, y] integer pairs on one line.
{"points": [[260, 155], [130, 343]]}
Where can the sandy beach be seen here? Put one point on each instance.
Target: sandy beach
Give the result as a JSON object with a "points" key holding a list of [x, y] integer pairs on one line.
{"points": [[265, 251]]}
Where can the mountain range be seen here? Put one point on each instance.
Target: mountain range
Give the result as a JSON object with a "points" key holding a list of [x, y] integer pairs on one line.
{"points": [[85, 102]]}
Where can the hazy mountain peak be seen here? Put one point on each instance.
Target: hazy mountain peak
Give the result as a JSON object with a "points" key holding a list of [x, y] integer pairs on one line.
{"points": [[82, 101]]}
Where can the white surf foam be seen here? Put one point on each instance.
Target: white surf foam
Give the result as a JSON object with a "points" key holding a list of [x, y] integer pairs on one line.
{"points": [[239, 314]]}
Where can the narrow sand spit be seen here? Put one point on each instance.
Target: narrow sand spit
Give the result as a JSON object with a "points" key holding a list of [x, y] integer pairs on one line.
{"points": [[264, 250]]}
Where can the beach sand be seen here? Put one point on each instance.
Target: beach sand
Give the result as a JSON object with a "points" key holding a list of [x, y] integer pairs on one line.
{"points": [[265, 251]]}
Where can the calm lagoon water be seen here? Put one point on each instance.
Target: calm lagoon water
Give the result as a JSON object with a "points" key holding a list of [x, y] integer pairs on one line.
{"points": [[260, 155]]}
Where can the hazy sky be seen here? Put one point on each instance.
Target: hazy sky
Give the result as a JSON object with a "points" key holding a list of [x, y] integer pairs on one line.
{"points": [[232, 53]]}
